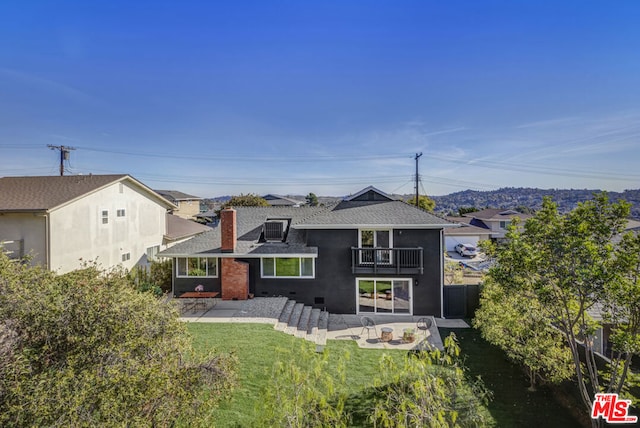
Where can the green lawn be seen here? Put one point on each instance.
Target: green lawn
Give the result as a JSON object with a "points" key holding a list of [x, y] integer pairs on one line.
{"points": [[512, 405], [256, 346]]}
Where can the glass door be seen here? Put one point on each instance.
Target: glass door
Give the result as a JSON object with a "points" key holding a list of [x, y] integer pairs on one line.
{"points": [[380, 239], [380, 296]]}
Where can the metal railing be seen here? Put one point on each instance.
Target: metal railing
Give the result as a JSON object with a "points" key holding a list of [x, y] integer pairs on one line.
{"points": [[387, 260]]}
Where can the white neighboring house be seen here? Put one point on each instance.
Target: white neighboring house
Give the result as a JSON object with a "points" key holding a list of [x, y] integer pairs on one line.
{"points": [[465, 234], [496, 220], [113, 219]]}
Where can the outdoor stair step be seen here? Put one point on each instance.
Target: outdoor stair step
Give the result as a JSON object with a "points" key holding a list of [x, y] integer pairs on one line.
{"points": [[323, 324], [312, 329], [292, 326], [303, 323], [285, 315]]}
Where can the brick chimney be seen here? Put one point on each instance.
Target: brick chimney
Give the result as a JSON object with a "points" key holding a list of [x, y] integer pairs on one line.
{"points": [[228, 230]]}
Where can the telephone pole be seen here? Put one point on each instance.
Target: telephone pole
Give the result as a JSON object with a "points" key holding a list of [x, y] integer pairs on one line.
{"points": [[417, 178], [64, 155]]}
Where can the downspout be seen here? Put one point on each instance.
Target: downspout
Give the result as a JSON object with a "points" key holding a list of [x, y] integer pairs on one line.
{"points": [[441, 273], [47, 240]]}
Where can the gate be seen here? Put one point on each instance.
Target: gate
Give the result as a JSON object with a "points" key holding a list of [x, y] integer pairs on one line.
{"points": [[460, 301]]}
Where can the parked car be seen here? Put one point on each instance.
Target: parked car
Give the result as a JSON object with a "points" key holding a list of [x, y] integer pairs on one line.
{"points": [[466, 250]]}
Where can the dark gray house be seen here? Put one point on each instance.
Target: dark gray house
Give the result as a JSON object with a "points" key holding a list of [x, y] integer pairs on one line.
{"points": [[366, 254]]}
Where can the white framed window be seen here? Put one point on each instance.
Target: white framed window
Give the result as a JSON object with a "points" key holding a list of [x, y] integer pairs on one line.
{"points": [[287, 267], [198, 267], [126, 256], [152, 252], [120, 212], [105, 216], [504, 224]]}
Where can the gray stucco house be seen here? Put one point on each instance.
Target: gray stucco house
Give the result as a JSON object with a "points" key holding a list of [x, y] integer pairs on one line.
{"points": [[366, 254]]}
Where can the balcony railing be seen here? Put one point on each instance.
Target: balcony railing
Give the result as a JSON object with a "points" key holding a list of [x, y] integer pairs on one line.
{"points": [[387, 260]]}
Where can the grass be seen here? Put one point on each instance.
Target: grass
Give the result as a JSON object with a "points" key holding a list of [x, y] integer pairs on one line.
{"points": [[256, 347], [513, 404]]}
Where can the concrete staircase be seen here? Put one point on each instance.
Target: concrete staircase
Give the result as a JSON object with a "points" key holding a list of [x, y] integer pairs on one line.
{"points": [[304, 322]]}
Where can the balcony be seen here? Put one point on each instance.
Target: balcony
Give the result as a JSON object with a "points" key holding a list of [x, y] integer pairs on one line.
{"points": [[387, 260]]}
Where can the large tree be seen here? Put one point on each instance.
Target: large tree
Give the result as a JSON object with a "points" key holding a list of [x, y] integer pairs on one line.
{"points": [[312, 200], [248, 200], [575, 264], [517, 323], [424, 202], [87, 349]]}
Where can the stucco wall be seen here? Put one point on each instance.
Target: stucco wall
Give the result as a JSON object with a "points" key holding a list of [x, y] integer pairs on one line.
{"points": [[77, 230], [187, 209], [28, 227]]}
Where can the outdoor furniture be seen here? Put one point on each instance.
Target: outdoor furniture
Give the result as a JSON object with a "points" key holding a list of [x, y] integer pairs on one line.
{"points": [[387, 334], [424, 324], [368, 324], [197, 299]]}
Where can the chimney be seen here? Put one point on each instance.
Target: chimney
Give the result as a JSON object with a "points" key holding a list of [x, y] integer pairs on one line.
{"points": [[228, 230]]}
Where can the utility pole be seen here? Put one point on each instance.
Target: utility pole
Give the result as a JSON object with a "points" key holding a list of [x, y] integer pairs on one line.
{"points": [[417, 178], [64, 155]]}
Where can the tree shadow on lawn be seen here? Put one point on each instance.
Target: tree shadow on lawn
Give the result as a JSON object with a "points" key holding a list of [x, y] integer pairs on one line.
{"points": [[513, 404]]}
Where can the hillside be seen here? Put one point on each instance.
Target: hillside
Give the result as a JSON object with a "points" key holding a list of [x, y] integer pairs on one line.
{"points": [[522, 198], [512, 197]]}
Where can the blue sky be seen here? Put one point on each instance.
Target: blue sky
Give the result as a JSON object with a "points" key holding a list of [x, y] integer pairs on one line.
{"points": [[215, 98]]}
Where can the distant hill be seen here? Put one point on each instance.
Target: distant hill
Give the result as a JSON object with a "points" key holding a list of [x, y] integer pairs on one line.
{"points": [[528, 198], [521, 198]]}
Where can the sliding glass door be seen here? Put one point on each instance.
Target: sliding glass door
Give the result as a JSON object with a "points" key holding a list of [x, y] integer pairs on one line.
{"points": [[384, 295]]}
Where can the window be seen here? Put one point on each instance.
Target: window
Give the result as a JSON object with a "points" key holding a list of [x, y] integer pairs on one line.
{"points": [[126, 256], [120, 212], [384, 295], [504, 224], [151, 253], [381, 240], [197, 267], [105, 217], [288, 267]]}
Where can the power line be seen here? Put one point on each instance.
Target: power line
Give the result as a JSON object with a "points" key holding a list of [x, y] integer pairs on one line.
{"points": [[64, 155], [536, 169], [243, 158]]}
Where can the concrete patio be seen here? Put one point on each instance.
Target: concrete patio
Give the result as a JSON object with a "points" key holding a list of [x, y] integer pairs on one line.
{"points": [[267, 310]]}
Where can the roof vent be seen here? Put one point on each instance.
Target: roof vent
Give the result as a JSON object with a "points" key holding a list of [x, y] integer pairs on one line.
{"points": [[274, 231]]}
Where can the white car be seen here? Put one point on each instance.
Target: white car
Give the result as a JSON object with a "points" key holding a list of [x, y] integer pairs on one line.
{"points": [[466, 250]]}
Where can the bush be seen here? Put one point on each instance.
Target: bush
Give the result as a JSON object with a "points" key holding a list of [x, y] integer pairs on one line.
{"points": [[85, 349]]}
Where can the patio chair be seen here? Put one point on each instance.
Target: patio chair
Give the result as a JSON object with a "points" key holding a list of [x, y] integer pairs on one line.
{"points": [[368, 324], [424, 324]]}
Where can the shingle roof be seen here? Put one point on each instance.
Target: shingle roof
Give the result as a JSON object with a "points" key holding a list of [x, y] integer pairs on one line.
{"points": [[175, 195], [350, 214], [180, 228], [249, 222], [278, 200], [465, 227], [46, 193], [498, 214], [343, 215]]}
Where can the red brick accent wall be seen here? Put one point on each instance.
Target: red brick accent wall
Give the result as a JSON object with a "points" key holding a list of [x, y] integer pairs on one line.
{"points": [[228, 230], [234, 280]]}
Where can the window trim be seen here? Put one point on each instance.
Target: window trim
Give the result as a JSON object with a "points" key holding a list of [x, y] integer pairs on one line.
{"points": [[275, 275], [178, 275]]}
